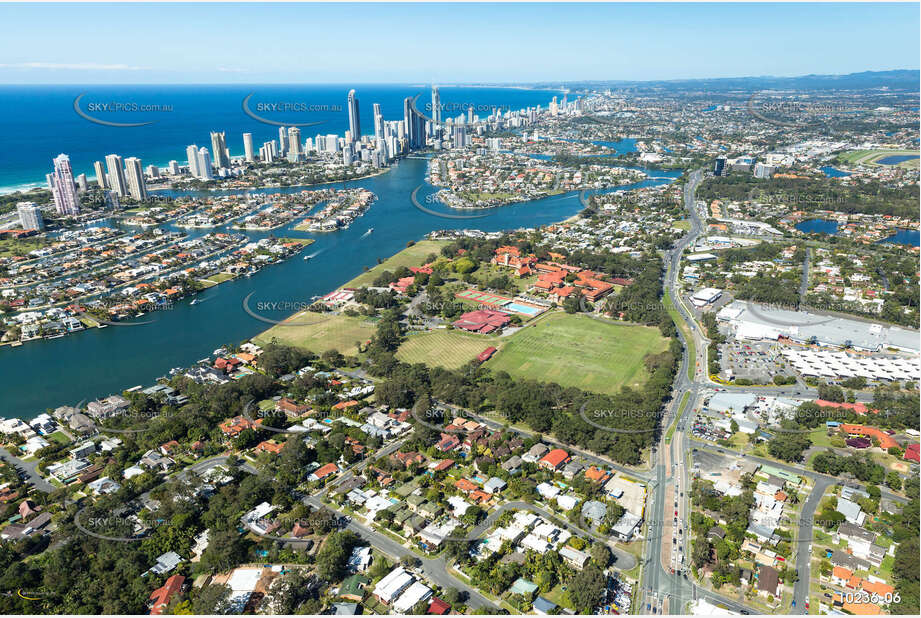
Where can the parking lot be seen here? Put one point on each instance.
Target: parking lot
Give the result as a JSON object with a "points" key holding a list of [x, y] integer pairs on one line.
{"points": [[758, 361], [616, 596], [703, 428]]}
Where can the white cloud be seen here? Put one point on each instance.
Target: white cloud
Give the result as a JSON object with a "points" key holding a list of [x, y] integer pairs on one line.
{"points": [[231, 70]]}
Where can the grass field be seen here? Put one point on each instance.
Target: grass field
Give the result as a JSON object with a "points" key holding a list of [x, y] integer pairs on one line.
{"points": [[575, 350], [221, 277], [339, 332], [450, 349], [11, 247], [411, 256], [864, 157], [488, 271]]}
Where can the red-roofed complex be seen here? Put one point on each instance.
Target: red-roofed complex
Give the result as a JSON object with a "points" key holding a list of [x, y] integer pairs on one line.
{"points": [[269, 447], [885, 440], [511, 257], [912, 454], [482, 321], [403, 284], [859, 408]]}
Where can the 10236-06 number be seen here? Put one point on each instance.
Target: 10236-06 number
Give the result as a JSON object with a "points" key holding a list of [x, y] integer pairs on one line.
{"points": [[862, 596]]}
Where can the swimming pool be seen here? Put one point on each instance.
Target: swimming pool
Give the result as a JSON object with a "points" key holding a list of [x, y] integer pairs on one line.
{"points": [[525, 309]]}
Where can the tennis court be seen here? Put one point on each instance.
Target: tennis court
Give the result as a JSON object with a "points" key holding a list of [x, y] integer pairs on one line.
{"points": [[483, 297]]}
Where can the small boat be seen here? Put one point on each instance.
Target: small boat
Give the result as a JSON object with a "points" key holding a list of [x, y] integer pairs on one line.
{"points": [[194, 301], [370, 229], [307, 257]]}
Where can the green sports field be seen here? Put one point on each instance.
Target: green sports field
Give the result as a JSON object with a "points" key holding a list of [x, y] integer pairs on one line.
{"points": [[576, 350], [867, 157], [411, 256], [450, 349], [319, 332]]}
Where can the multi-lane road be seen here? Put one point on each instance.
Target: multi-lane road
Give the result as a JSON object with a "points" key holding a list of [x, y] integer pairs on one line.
{"points": [[662, 564]]}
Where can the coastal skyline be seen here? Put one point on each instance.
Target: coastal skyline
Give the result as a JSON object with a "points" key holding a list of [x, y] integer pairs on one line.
{"points": [[716, 40]]}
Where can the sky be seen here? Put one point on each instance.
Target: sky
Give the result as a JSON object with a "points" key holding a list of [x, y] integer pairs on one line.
{"points": [[447, 43]]}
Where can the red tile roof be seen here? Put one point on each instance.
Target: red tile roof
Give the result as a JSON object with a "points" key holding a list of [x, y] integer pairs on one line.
{"points": [[486, 354], [482, 321], [159, 599], [859, 408], [438, 607], [885, 440], [555, 458], [323, 471]]}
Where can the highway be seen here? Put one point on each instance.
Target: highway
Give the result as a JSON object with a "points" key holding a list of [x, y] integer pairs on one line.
{"points": [[659, 583]]}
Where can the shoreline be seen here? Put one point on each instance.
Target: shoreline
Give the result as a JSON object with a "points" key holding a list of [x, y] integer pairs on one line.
{"points": [[26, 187]]}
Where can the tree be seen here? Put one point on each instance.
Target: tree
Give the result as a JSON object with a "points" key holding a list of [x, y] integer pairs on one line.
{"points": [[226, 550], [585, 588], [830, 392], [452, 595], [894, 481], [601, 554], [464, 265], [333, 555], [700, 552], [789, 446], [212, 599]]}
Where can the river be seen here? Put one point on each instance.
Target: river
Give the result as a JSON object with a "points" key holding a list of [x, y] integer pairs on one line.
{"points": [[98, 362]]}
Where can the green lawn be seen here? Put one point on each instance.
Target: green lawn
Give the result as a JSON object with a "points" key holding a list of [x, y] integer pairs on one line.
{"points": [[487, 271], [10, 247], [689, 339], [681, 406], [856, 157], [339, 332], [221, 277], [576, 350], [444, 348], [59, 437], [411, 256]]}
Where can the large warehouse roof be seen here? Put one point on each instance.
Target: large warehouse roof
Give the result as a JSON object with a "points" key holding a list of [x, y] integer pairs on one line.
{"points": [[754, 320]]}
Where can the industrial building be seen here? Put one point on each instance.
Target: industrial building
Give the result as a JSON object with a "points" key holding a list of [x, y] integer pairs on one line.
{"points": [[754, 321]]}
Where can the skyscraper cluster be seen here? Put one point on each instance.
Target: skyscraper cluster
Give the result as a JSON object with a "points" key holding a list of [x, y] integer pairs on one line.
{"points": [[63, 188], [388, 140]]}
